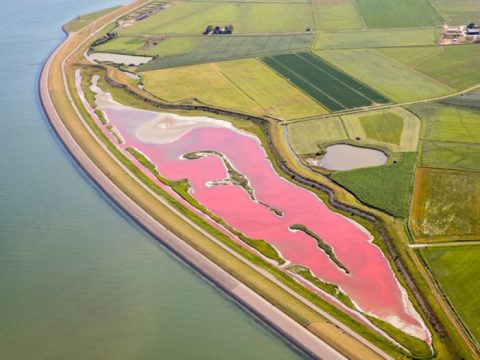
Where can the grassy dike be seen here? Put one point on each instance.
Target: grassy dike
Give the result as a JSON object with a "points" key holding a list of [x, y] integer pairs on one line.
{"points": [[131, 187], [292, 306]]}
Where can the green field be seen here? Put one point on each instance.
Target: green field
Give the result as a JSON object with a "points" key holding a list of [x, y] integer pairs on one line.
{"points": [[391, 78], [386, 187], [449, 123], [384, 127], [456, 269], [374, 38], [219, 48], [334, 89], [398, 14], [247, 18], [242, 85], [162, 46], [446, 205], [336, 14], [471, 100], [305, 137], [450, 155], [81, 21], [458, 12], [455, 66]]}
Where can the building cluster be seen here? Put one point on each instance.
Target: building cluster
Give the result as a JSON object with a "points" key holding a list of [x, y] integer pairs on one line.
{"points": [[216, 29], [465, 34]]}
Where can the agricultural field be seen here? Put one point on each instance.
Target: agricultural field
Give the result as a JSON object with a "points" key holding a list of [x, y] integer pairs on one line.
{"points": [[221, 48], [450, 155], [152, 46], [332, 88], [81, 21], [455, 66], [391, 78], [395, 129], [398, 14], [331, 40], [308, 137], [456, 269], [246, 18], [336, 14], [445, 205], [242, 85], [458, 12], [449, 123], [387, 187]]}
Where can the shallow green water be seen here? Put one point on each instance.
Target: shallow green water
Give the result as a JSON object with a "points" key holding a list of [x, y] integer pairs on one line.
{"points": [[78, 279]]}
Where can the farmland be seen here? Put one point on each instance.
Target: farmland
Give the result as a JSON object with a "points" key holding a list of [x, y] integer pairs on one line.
{"points": [[242, 85], [81, 21], [455, 66], [389, 77], [386, 187], [398, 14], [334, 15], [445, 205], [247, 18], [458, 11], [385, 127], [450, 155], [330, 40], [334, 89], [456, 269], [225, 48]]}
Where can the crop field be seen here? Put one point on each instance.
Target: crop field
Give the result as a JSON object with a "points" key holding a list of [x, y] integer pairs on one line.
{"points": [[386, 187], [334, 89], [242, 85], [471, 100], [450, 155], [391, 78], [449, 123], [246, 18], [457, 12], [445, 205], [330, 40], [395, 129], [398, 14], [455, 66], [137, 45], [218, 48], [456, 269], [336, 14], [305, 137]]}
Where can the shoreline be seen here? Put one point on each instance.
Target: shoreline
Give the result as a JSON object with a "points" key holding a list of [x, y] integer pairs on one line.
{"points": [[286, 327]]}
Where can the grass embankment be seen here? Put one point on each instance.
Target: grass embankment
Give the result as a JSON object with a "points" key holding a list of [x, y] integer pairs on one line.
{"points": [[456, 269], [83, 20], [327, 249]]}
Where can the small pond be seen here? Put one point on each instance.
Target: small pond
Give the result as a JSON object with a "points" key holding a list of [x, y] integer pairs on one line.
{"points": [[343, 157]]}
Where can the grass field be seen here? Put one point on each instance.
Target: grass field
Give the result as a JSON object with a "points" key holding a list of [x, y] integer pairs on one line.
{"points": [[137, 45], [398, 14], [449, 123], [243, 85], [81, 21], [450, 155], [374, 38], [445, 205], [232, 47], [306, 136], [471, 100], [247, 18], [334, 89], [336, 14], [456, 269], [391, 78], [395, 129], [458, 12], [386, 187], [455, 66]]}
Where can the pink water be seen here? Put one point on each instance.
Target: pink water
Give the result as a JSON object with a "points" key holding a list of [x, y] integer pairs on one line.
{"points": [[371, 283]]}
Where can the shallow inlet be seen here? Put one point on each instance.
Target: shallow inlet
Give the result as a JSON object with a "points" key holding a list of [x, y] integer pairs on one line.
{"points": [[119, 58], [343, 157]]}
